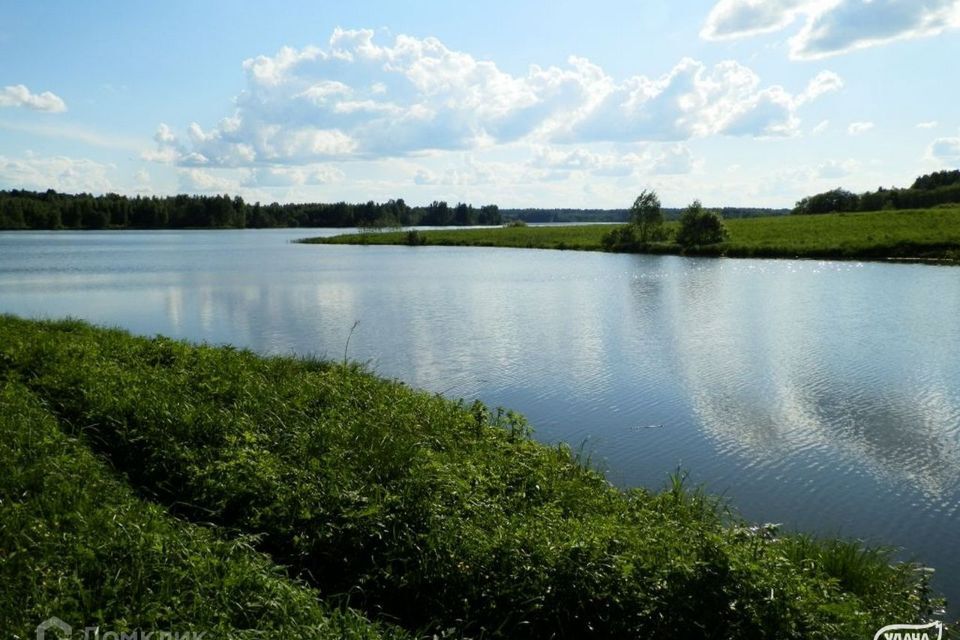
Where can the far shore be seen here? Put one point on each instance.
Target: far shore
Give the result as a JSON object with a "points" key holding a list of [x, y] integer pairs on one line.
{"points": [[928, 236]]}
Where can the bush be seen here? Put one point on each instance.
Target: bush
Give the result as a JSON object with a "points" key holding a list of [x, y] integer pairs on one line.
{"points": [[699, 226], [414, 238], [622, 238]]}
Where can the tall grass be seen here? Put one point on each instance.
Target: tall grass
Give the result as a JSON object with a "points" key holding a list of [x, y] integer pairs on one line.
{"points": [[77, 544], [441, 517]]}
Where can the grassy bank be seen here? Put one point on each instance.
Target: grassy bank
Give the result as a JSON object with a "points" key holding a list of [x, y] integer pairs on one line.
{"points": [[917, 234], [76, 543], [419, 511]]}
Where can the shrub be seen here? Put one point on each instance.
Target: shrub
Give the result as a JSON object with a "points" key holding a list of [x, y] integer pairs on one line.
{"points": [[699, 226], [622, 238], [414, 238]]}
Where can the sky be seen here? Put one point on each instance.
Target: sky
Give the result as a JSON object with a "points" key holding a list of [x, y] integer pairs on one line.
{"points": [[522, 104]]}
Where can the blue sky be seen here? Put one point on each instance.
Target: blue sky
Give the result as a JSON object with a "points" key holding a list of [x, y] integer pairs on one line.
{"points": [[560, 103]]}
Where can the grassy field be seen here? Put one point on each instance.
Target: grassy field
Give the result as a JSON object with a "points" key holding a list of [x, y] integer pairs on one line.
{"points": [[919, 234], [143, 478]]}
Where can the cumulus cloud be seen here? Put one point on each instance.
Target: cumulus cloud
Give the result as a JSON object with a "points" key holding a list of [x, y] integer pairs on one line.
{"points": [[358, 98], [285, 176], [56, 172], [931, 124], [832, 27], [202, 181], [19, 95], [673, 160], [945, 150], [857, 128], [692, 100], [471, 172], [560, 163], [833, 169]]}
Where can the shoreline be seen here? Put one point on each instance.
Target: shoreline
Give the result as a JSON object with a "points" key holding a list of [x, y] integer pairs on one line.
{"points": [[930, 237]]}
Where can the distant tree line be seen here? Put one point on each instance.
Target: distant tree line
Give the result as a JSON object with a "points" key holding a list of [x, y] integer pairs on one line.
{"points": [[21, 209], [941, 187]]}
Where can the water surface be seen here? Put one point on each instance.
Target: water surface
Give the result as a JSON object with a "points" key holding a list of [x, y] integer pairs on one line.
{"points": [[822, 395]]}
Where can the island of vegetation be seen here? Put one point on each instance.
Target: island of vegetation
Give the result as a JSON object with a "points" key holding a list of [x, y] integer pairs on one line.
{"points": [[846, 227], [150, 483]]}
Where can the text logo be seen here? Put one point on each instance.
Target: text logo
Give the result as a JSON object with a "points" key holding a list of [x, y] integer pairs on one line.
{"points": [[57, 628], [911, 632]]}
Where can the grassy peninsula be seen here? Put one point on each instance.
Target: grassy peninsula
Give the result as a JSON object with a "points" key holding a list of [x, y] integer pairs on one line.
{"points": [[150, 482], [923, 234]]}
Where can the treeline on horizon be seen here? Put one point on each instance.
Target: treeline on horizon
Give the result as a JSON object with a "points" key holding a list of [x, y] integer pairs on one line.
{"points": [[23, 209], [930, 190], [20, 209]]}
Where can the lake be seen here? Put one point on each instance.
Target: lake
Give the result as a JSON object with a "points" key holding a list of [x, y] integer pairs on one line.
{"points": [[821, 395]]}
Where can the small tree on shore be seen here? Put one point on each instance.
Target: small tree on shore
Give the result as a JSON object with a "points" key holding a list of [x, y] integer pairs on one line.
{"points": [[700, 226], [647, 217]]}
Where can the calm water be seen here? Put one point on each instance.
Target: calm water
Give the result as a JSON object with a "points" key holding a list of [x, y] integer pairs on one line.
{"points": [[822, 395]]}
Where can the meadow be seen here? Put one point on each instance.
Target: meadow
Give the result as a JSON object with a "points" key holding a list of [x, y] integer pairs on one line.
{"points": [[924, 234], [150, 482]]}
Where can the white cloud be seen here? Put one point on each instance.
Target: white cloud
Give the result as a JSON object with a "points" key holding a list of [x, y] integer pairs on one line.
{"points": [[283, 176], [359, 99], [739, 18], [832, 27], [19, 96], [932, 124], [469, 172], [823, 82], [559, 163], [675, 159], [143, 182], [821, 127], [56, 172], [690, 101], [201, 181], [857, 128], [833, 169], [945, 150]]}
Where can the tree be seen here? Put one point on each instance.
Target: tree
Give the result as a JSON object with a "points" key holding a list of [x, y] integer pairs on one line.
{"points": [[699, 226], [647, 217], [490, 214], [828, 202], [937, 179]]}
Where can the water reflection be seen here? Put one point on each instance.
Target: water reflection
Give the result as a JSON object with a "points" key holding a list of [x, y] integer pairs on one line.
{"points": [[775, 371]]}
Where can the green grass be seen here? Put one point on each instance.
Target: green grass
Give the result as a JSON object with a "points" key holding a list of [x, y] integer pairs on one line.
{"points": [[431, 514], [76, 543], [583, 237], [918, 234]]}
